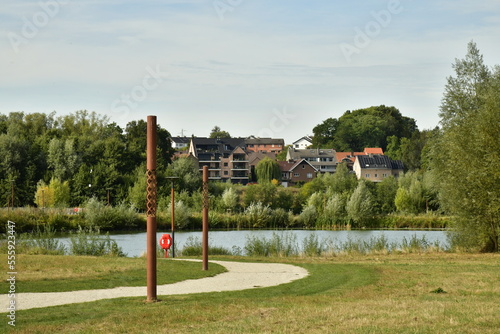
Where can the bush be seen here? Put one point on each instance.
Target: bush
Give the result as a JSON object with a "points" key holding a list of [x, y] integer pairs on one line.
{"points": [[258, 215], [194, 247], [90, 242], [105, 217]]}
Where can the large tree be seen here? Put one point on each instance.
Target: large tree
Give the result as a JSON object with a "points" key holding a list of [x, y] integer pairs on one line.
{"points": [[466, 156], [361, 128]]}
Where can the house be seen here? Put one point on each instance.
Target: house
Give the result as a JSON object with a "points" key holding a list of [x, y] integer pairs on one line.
{"points": [[263, 145], [324, 160], [179, 142], [302, 143], [296, 172], [376, 167], [350, 157], [226, 158]]}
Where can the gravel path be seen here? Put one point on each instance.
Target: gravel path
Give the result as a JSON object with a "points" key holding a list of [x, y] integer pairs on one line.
{"points": [[240, 276]]}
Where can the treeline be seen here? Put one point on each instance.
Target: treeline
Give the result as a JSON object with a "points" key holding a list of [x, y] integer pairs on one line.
{"points": [[66, 160]]}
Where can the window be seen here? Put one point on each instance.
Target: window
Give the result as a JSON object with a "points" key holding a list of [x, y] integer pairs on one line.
{"points": [[296, 175], [376, 175], [309, 175], [384, 175], [225, 164], [367, 175], [303, 166], [226, 172]]}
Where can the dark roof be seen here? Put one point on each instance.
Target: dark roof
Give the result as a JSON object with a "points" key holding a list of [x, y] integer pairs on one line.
{"points": [[267, 141], [312, 153], [182, 140], [378, 161], [309, 139], [288, 166], [206, 148]]}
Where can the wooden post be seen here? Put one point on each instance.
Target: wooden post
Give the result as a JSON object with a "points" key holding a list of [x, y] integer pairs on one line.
{"points": [[205, 218], [151, 205]]}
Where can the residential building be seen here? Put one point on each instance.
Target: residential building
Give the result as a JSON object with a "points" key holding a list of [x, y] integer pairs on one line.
{"points": [[376, 167], [263, 145], [296, 172], [324, 160], [179, 142], [302, 143], [350, 157], [226, 158]]}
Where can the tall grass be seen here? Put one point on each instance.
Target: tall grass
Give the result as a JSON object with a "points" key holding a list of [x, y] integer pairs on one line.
{"points": [[285, 244], [89, 241], [194, 247]]}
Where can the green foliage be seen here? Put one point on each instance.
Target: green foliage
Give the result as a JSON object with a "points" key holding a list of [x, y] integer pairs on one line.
{"points": [[90, 242], [104, 217], [467, 153], [56, 194], [267, 170], [194, 247], [360, 207], [258, 215], [186, 170], [40, 241], [280, 245], [358, 129], [218, 133]]}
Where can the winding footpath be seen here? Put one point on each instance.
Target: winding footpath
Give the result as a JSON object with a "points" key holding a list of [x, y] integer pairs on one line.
{"points": [[239, 276]]}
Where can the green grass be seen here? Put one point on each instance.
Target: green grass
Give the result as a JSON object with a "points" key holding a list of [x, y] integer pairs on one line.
{"points": [[49, 273], [392, 293]]}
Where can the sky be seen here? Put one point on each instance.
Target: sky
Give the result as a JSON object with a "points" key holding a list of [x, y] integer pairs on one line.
{"points": [[269, 68]]}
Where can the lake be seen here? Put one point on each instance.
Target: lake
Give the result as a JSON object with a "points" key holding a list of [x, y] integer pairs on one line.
{"points": [[134, 244]]}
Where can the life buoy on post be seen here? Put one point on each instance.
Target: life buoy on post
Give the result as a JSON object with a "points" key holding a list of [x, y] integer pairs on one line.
{"points": [[166, 243]]}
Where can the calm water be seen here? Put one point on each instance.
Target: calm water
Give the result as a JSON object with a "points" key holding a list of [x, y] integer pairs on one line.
{"points": [[134, 244]]}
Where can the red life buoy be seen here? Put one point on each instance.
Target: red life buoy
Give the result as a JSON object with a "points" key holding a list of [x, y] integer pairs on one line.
{"points": [[166, 241]]}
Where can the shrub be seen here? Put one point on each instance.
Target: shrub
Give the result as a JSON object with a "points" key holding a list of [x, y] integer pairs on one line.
{"points": [[90, 242]]}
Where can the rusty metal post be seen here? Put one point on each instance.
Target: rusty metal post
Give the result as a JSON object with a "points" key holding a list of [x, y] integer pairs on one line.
{"points": [[151, 205], [205, 218], [173, 218]]}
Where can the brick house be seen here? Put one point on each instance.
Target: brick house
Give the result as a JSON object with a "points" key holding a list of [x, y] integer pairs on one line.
{"points": [[293, 172], [264, 145]]}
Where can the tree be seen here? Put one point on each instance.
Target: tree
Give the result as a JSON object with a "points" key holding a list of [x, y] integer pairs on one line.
{"points": [[360, 207], [218, 133], [187, 172], [467, 153], [361, 128], [56, 194], [267, 170]]}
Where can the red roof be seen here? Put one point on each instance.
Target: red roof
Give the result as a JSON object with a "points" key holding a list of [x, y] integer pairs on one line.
{"points": [[374, 150]]}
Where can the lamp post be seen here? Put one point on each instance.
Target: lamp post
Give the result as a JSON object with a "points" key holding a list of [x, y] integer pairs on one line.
{"points": [[172, 205], [109, 201], [12, 193], [43, 198]]}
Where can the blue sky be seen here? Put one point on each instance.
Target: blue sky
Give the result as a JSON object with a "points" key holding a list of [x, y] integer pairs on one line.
{"points": [[267, 68]]}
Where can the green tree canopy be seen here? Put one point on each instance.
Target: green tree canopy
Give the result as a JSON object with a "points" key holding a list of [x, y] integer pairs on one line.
{"points": [[466, 156], [218, 133], [267, 169], [361, 128]]}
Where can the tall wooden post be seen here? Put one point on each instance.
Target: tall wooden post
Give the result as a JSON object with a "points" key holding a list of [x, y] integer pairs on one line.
{"points": [[205, 218], [151, 209], [172, 205]]}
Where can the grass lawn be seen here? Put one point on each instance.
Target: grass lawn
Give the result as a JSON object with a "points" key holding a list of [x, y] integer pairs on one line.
{"points": [[344, 294]]}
